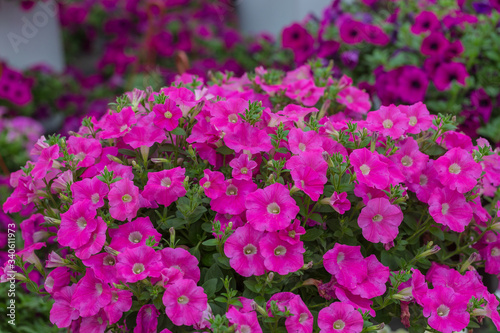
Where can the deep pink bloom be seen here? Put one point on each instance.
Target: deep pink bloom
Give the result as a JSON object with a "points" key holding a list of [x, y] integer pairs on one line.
{"points": [[86, 150], [281, 256], [292, 233], [145, 133], [427, 182], [147, 319], [77, 225], [369, 169], [419, 119], [375, 35], [413, 83], [271, 208], [447, 310], [376, 278], [104, 266], [137, 263], [388, 120], [116, 124], [123, 200], [244, 253], [31, 230], [457, 170], [380, 220], [347, 264], [300, 141], [225, 113], [244, 321], [167, 115], [121, 301], [410, 160], [340, 203], [96, 241], [92, 190], [302, 320], [165, 186], [434, 44], [91, 295], [351, 32], [45, 161], [425, 21], [57, 279], [419, 287], [446, 73], [242, 167], [133, 234], [248, 138], [63, 181], [340, 317], [213, 183], [449, 208], [308, 172], [181, 260], [96, 323], [185, 302], [62, 313], [232, 200], [354, 99]]}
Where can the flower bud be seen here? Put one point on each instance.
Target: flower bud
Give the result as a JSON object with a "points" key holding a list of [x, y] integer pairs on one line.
{"points": [[307, 266], [51, 220], [473, 257], [158, 160], [111, 251]]}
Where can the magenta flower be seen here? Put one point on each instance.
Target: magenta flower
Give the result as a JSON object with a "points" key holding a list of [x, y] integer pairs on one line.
{"points": [[242, 167], [376, 278], [133, 234], [425, 21], [86, 150], [147, 319], [167, 115], [419, 118], [144, 134], [446, 73], [248, 138], [354, 99], [244, 253], [123, 200], [96, 241], [340, 203], [449, 208], [181, 260], [308, 172], [302, 320], [347, 264], [388, 120], [292, 233], [457, 170], [413, 84], [185, 302], [116, 124], [244, 321], [271, 208], [435, 44], [447, 310], [410, 160], [351, 32], [380, 220], [45, 162], [62, 313], [137, 263], [232, 200], [121, 301], [375, 35], [300, 141], [91, 295], [225, 113], [340, 318], [92, 190], [281, 256], [104, 266], [213, 183], [165, 186], [56, 280], [369, 169], [96, 323], [77, 225]]}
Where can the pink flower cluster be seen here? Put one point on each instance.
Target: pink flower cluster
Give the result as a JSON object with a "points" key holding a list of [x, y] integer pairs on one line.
{"points": [[160, 204]]}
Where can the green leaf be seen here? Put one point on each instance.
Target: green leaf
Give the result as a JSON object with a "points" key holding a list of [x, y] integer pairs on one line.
{"points": [[225, 150], [210, 242], [437, 232], [210, 287], [435, 150], [311, 234], [178, 131], [128, 152]]}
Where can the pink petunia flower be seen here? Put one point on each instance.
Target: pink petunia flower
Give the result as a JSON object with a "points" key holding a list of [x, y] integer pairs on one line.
{"points": [[225, 114], [92, 189], [388, 120], [244, 321], [458, 170], [185, 302], [91, 295], [232, 200], [121, 301], [340, 318], [135, 264], [242, 167], [181, 260], [165, 186], [271, 208], [419, 118], [376, 278], [133, 234], [347, 264], [145, 133], [280, 256], [116, 124], [45, 162], [62, 313], [244, 252], [379, 220], [300, 141], [213, 183], [446, 310], [369, 169], [292, 233], [248, 138], [147, 319], [308, 172], [123, 200], [354, 99], [410, 160], [302, 320], [77, 225], [449, 208], [104, 266], [57, 279], [167, 115], [86, 150], [96, 241], [340, 203]]}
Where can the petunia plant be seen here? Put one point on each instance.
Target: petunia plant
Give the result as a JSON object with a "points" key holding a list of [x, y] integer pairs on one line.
{"points": [[261, 204]]}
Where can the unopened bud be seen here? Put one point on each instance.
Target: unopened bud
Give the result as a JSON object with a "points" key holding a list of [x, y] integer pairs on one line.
{"points": [[259, 309], [51, 220], [144, 152], [473, 257], [294, 189], [495, 227], [404, 295], [375, 327], [111, 251], [270, 277], [158, 160], [180, 160], [229, 227], [429, 252], [307, 266]]}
